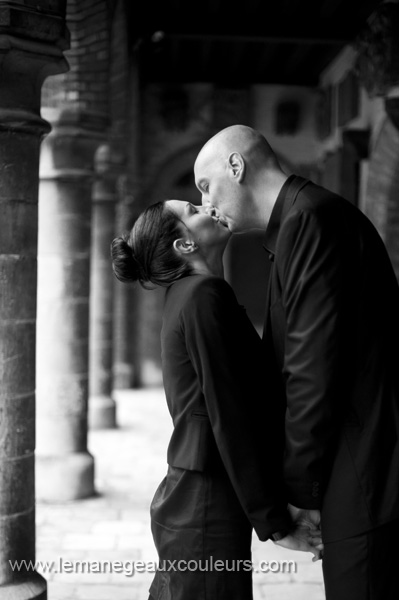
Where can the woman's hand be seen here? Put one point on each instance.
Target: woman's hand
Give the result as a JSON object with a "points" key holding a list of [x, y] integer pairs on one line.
{"points": [[303, 539]]}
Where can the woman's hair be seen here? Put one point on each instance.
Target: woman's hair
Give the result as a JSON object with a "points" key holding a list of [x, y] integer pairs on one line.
{"points": [[146, 254]]}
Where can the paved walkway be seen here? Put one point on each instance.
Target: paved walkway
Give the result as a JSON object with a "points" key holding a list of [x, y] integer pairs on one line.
{"points": [[114, 526]]}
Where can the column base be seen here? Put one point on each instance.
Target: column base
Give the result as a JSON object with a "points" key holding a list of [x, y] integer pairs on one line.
{"points": [[32, 588], [65, 477], [102, 412]]}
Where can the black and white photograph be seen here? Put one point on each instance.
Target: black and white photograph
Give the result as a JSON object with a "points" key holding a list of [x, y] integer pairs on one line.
{"points": [[199, 300]]}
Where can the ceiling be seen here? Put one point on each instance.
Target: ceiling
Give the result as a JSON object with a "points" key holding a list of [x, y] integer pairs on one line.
{"points": [[237, 43]]}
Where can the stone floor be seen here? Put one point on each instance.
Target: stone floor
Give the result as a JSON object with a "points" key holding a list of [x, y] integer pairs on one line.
{"points": [[111, 531]]}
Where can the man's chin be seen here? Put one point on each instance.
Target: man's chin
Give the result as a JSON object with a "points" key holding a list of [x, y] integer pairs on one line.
{"points": [[236, 229]]}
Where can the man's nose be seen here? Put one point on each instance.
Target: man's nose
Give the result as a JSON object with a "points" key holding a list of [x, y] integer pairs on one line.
{"points": [[210, 210]]}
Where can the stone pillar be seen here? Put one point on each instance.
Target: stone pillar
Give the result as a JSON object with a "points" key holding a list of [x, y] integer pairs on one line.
{"points": [[126, 305], [125, 371], [65, 468], [102, 407], [26, 59]]}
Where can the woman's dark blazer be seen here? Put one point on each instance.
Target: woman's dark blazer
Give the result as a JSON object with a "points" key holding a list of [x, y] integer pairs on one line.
{"points": [[332, 326], [215, 383]]}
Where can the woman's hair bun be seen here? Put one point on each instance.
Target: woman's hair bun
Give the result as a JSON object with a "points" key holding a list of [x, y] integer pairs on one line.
{"points": [[146, 254], [124, 263]]}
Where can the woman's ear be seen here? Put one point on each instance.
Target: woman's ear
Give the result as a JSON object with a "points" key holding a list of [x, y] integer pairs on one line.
{"points": [[236, 165], [184, 246]]}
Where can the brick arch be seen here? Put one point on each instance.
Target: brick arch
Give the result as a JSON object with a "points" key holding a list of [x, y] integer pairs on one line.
{"points": [[174, 169]]}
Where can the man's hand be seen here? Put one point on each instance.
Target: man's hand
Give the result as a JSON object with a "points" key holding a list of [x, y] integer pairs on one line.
{"points": [[303, 539], [306, 536], [310, 518]]}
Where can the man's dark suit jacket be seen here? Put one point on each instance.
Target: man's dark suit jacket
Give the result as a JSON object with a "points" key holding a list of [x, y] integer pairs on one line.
{"points": [[214, 382], [332, 327]]}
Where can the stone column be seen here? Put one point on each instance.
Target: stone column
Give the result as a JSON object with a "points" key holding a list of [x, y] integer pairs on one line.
{"points": [[102, 407], [125, 372], [126, 368], [24, 64], [65, 468]]}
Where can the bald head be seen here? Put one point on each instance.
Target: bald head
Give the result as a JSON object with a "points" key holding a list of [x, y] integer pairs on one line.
{"points": [[248, 142]]}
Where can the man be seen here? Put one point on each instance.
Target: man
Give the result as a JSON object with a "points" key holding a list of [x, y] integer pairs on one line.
{"points": [[331, 332]]}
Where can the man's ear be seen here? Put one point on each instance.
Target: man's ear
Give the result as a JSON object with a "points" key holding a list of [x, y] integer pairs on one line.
{"points": [[184, 246], [236, 165]]}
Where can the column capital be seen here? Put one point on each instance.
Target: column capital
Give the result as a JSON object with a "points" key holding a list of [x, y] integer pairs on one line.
{"points": [[23, 69], [68, 151], [42, 21], [33, 37]]}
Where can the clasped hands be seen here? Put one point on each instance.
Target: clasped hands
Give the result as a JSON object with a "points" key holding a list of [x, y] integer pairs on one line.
{"points": [[306, 534]]}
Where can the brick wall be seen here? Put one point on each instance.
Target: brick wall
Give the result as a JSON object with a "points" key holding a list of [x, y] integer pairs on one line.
{"points": [[85, 86]]}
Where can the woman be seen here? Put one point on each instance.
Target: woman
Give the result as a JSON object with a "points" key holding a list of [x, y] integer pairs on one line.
{"points": [[224, 454]]}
